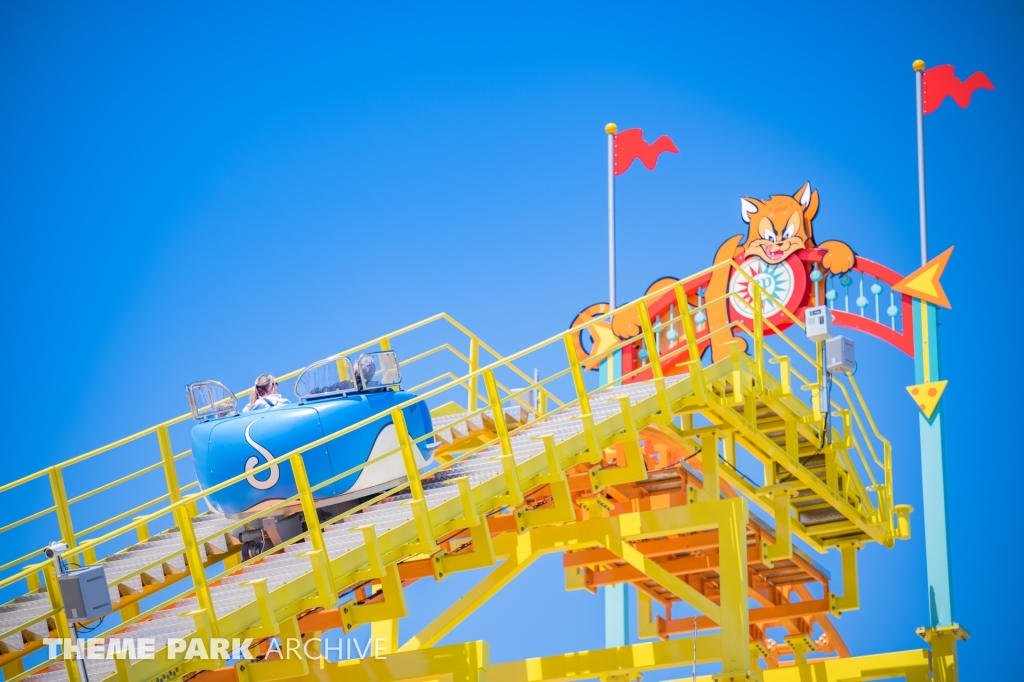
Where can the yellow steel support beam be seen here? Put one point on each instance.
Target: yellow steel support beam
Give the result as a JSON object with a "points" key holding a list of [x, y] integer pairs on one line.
{"points": [[384, 633], [268, 626], [728, 516], [647, 626], [709, 463], [643, 657], [293, 663], [634, 470], [482, 554], [943, 641], [467, 662], [519, 555], [392, 606], [783, 547], [561, 509], [801, 645], [850, 599], [377, 560], [911, 666]]}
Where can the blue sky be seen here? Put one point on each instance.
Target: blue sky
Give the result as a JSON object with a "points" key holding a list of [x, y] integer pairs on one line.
{"points": [[193, 191]]}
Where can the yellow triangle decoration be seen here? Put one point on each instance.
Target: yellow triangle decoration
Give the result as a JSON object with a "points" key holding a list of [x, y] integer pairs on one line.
{"points": [[924, 283], [927, 396]]}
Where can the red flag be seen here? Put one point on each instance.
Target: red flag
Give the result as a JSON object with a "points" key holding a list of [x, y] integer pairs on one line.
{"points": [[941, 81], [630, 145]]}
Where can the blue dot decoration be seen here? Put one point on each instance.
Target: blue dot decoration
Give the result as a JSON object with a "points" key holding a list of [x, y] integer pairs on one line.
{"points": [[815, 275], [643, 353], [830, 294], [862, 301], [700, 317], [892, 311], [672, 334], [876, 288], [846, 280]]}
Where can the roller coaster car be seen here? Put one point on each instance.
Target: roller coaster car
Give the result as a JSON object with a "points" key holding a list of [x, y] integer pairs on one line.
{"points": [[331, 397]]}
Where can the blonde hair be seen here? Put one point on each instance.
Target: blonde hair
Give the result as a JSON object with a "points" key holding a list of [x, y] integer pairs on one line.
{"points": [[261, 387]]}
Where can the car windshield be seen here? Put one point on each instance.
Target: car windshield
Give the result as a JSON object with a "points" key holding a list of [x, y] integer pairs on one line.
{"points": [[376, 370], [211, 400], [326, 378]]}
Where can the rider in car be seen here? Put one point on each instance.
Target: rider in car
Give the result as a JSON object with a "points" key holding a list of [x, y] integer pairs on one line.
{"points": [[365, 371], [265, 394]]}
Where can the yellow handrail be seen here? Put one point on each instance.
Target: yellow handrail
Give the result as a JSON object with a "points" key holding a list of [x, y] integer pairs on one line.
{"points": [[62, 507], [493, 401]]}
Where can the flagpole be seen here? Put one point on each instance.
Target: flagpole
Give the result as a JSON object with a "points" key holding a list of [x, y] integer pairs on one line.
{"points": [[933, 467], [611, 128], [616, 597], [919, 77]]}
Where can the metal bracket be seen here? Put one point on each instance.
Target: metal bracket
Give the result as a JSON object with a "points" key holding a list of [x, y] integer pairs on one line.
{"points": [[393, 606], [562, 511], [635, 470], [482, 554], [783, 547], [850, 599], [326, 596], [801, 645], [276, 669], [375, 570]]}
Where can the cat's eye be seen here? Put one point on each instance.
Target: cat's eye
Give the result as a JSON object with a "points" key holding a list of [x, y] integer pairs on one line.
{"points": [[788, 232], [770, 235]]}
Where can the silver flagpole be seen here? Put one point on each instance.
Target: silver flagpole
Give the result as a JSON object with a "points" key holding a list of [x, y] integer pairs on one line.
{"points": [[611, 129], [919, 77]]}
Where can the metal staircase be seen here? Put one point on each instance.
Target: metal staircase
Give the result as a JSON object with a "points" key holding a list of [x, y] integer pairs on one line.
{"points": [[508, 471]]}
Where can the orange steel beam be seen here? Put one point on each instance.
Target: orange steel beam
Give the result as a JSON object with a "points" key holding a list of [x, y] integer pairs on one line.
{"points": [[764, 616]]}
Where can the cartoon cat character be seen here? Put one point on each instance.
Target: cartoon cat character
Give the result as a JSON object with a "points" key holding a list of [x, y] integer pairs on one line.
{"points": [[778, 228]]}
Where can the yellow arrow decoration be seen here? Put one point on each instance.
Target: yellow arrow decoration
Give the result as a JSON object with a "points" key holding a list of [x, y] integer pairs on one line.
{"points": [[924, 283], [927, 395]]}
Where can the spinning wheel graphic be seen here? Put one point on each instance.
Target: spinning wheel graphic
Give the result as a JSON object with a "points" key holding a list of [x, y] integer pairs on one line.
{"points": [[784, 282]]}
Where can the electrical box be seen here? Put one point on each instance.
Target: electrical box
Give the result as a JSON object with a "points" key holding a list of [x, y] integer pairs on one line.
{"points": [[85, 593], [818, 321], [839, 355]]}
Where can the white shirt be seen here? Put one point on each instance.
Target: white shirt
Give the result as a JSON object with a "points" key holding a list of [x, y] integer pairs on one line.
{"points": [[266, 402]]}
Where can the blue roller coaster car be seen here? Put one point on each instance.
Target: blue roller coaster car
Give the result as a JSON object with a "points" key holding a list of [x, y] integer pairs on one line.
{"points": [[332, 395]]}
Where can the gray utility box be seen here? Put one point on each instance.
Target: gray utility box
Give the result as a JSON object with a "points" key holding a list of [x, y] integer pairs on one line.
{"points": [[818, 321], [85, 593], [839, 355]]}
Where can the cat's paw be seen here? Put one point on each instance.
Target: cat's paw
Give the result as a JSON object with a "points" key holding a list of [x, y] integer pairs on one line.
{"points": [[838, 258]]}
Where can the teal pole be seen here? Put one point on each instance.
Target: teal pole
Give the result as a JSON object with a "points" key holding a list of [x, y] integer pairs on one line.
{"points": [[616, 597], [933, 470], [616, 615], [926, 369]]}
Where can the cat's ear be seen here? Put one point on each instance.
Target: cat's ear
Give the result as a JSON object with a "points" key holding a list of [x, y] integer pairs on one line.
{"points": [[807, 198], [803, 195], [812, 206], [747, 208]]}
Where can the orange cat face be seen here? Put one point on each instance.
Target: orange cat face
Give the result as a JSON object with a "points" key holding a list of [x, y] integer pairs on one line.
{"points": [[781, 225]]}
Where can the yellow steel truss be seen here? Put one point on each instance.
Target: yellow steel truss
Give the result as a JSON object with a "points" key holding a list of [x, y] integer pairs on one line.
{"points": [[582, 492]]}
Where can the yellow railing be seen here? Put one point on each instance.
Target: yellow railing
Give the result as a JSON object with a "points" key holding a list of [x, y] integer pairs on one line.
{"points": [[882, 508], [61, 503], [570, 377]]}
